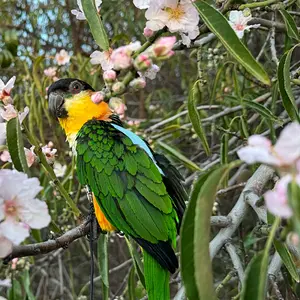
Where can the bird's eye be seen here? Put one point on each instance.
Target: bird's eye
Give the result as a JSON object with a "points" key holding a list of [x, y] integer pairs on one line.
{"points": [[75, 87]]}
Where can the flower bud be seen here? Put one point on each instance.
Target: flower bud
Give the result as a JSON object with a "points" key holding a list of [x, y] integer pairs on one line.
{"points": [[117, 105], [118, 87], [162, 49], [121, 58], [142, 62], [148, 32], [138, 83], [109, 76], [97, 97]]}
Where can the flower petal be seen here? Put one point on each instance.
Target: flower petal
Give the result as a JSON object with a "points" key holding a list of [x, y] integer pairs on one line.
{"points": [[288, 144], [277, 204], [5, 246], [16, 232], [35, 214]]}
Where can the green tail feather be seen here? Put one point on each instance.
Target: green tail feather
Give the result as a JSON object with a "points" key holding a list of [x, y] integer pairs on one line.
{"points": [[157, 279]]}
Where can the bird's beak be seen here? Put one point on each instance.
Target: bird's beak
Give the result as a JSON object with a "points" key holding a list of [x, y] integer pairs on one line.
{"points": [[56, 105]]}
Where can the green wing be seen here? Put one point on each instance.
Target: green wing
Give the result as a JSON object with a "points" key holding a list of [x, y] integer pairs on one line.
{"points": [[128, 187]]}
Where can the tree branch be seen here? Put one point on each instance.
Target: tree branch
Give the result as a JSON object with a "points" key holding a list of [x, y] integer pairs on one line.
{"points": [[255, 184], [45, 247]]}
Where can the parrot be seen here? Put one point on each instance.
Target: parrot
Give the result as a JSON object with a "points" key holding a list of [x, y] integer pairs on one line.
{"points": [[135, 191]]}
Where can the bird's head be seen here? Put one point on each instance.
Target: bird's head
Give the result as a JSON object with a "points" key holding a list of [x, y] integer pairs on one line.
{"points": [[70, 102]]}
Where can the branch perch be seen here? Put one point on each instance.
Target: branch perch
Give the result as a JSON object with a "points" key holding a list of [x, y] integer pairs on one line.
{"points": [[45, 247]]}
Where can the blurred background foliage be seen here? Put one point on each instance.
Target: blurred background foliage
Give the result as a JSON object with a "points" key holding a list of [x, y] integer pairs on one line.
{"points": [[33, 31]]}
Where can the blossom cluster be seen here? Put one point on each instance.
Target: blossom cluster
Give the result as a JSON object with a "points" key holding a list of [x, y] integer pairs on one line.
{"points": [[284, 156], [20, 210]]}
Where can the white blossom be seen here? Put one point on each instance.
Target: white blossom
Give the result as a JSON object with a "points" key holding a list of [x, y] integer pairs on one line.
{"points": [[79, 13], [238, 22]]}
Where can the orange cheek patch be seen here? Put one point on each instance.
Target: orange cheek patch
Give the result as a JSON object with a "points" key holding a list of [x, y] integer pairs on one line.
{"points": [[102, 221]]}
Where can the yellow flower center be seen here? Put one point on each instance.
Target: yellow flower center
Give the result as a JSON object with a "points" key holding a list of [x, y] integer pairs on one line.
{"points": [[175, 13]]}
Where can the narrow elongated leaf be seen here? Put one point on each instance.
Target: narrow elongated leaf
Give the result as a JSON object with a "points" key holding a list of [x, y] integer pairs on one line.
{"points": [[253, 275], [287, 259], [203, 211], [95, 23], [15, 145], [131, 284], [26, 284], [195, 117], [218, 24], [290, 24], [136, 260], [262, 110], [285, 88], [195, 233], [191, 165], [255, 286], [187, 241], [103, 264], [35, 73]]}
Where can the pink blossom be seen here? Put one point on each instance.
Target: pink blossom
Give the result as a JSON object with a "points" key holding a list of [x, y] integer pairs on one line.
{"points": [[138, 83], [109, 76], [142, 62], [50, 72], [102, 58], [121, 58], [49, 152], [62, 58], [5, 89], [148, 32], [134, 122], [277, 199], [5, 156], [9, 112], [238, 22], [117, 105], [14, 263], [19, 209], [284, 154], [163, 47], [97, 97]]}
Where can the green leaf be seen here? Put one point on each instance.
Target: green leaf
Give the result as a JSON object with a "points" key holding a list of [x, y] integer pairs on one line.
{"points": [[195, 235], [290, 24], [255, 284], [26, 284], [191, 165], [15, 145], [262, 110], [253, 276], [203, 211], [103, 265], [287, 259], [137, 261], [285, 88], [15, 292], [36, 75], [95, 23], [187, 241], [131, 285], [219, 25], [195, 117]]}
